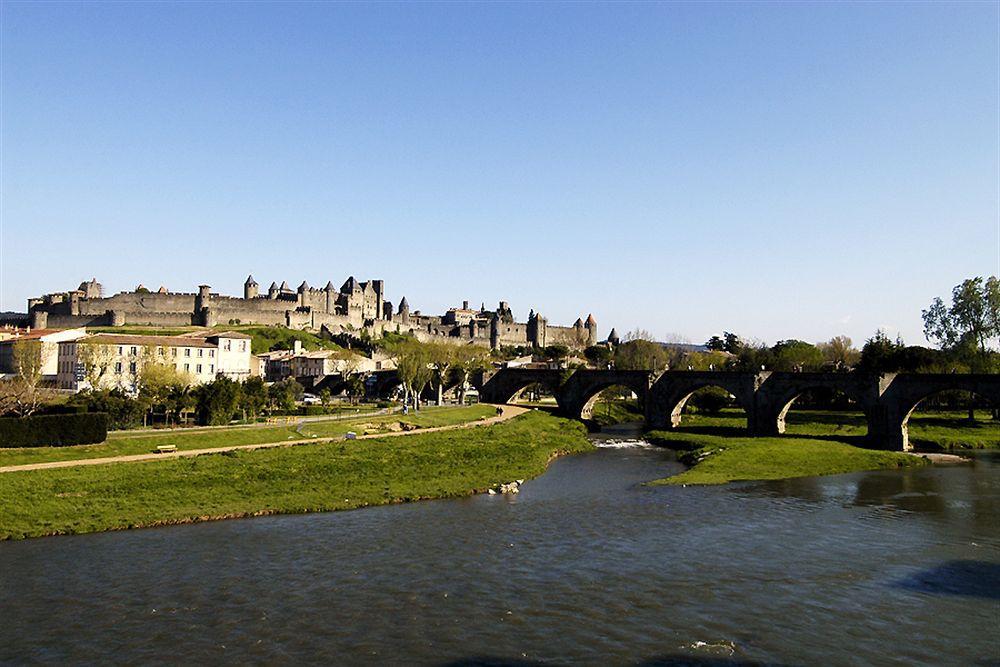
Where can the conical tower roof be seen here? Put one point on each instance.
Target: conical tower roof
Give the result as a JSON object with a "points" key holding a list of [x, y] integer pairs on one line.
{"points": [[274, 286], [250, 280], [304, 286], [403, 304], [329, 286], [349, 285], [284, 286], [591, 322], [578, 324]]}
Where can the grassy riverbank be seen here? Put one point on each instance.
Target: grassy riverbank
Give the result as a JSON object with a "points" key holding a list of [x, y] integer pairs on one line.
{"points": [[306, 478], [144, 442], [718, 459], [816, 443]]}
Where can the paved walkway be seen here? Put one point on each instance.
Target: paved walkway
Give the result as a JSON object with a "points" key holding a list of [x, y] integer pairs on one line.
{"points": [[507, 412]]}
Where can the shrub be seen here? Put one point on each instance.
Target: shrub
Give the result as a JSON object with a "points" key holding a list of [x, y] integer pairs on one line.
{"points": [[54, 430]]}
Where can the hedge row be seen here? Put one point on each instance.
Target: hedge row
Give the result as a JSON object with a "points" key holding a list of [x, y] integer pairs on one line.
{"points": [[53, 430]]}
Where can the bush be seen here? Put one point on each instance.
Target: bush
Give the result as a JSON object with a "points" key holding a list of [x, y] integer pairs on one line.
{"points": [[54, 430]]}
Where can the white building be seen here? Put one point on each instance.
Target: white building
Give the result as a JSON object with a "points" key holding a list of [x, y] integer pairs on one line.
{"points": [[49, 340], [116, 360]]}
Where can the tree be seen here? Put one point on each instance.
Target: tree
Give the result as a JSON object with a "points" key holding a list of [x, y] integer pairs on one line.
{"points": [[158, 382], [253, 398], [443, 357], [23, 395], [468, 360], [640, 355], [970, 327], [796, 355], [840, 352], [880, 354], [413, 364], [218, 401], [97, 360], [556, 352], [598, 355], [728, 342], [282, 396]]}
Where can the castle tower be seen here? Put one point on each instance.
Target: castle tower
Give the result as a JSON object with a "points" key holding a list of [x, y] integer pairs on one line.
{"points": [[250, 288], [272, 291], [201, 310], [303, 288], [613, 337], [331, 297], [591, 327], [404, 310]]}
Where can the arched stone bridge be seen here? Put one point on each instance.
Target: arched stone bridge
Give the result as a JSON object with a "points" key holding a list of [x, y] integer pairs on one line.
{"points": [[886, 400]]}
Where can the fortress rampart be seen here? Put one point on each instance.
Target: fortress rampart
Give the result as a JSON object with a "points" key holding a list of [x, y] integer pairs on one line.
{"points": [[354, 306]]}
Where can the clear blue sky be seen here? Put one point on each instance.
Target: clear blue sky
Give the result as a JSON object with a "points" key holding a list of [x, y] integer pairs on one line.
{"points": [[778, 170]]}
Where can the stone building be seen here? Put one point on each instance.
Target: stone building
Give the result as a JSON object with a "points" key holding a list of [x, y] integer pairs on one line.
{"points": [[355, 306], [116, 361]]}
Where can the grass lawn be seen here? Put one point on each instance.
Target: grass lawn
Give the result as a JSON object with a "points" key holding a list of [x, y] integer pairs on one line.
{"points": [[144, 442], [816, 443], [717, 459], [928, 430], [309, 478], [609, 413]]}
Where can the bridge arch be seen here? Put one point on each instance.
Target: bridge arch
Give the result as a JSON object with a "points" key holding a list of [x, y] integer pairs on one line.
{"points": [[582, 389], [907, 392], [504, 385], [672, 390], [780, 390]]}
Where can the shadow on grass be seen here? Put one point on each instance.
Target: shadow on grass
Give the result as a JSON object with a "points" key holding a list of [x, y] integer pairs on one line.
{"points": [[970, 578]]}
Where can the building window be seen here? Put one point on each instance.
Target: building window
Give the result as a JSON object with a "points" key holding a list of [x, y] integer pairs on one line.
{"points": [[198, 368], [121, 350], [134, 350], [173, 351], [211, 368], [118, 367], [187, 367], [211, 353], [159, 351], [201, 352], [243, 346], [131, 368], [227, 346], [187, 351]]}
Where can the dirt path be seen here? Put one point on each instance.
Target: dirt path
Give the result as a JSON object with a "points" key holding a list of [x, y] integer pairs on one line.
{"points": [[507, 412]]}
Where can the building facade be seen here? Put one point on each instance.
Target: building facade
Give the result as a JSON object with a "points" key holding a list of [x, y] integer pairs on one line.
{"points": [[114, 361]]}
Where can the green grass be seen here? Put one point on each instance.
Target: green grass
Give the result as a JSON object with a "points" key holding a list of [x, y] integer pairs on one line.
{"points": [[609, 413], [144, 442], [263, 338], [718, 459], [309, 478], [816, 443], [928, 430]]}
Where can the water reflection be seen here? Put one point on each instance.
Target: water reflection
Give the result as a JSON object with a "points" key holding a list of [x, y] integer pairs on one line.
{"points": [[958, 577]]}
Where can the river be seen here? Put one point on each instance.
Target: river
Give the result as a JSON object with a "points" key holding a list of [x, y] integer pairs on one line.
{"points": [[585, 565]]}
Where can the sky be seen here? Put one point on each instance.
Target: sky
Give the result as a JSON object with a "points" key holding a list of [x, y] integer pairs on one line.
{"points": [[779, 170]]}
